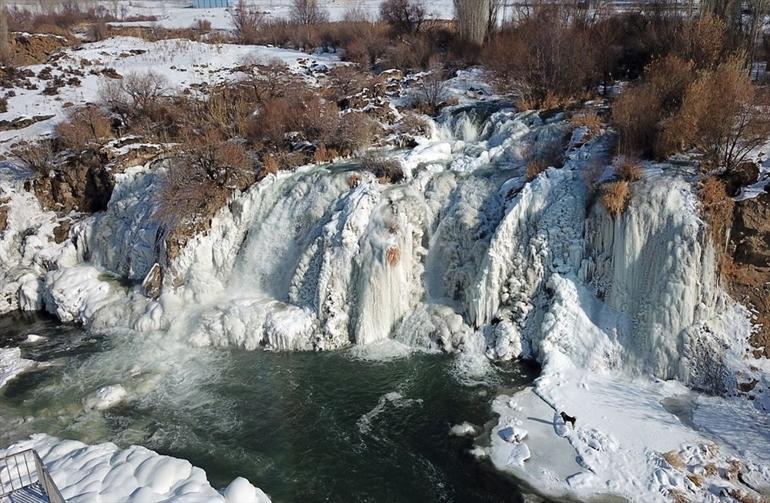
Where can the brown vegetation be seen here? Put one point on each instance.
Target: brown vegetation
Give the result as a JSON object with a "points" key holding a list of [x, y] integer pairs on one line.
{"points": [[674, 460], [628, 169], [614, 197], [386, 170]]}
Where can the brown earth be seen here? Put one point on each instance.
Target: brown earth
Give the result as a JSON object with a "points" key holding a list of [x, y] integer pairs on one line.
{"points": [[35, 49], [747, 269]]}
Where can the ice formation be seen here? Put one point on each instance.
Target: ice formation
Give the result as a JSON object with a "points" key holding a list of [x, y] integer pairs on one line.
{"points": [[466, 255], [103, 472]]}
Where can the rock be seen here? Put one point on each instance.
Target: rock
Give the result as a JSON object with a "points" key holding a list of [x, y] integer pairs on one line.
{"points": [[742, 175], [153, 282], [3, 217], [750, 234], [62, 231]]}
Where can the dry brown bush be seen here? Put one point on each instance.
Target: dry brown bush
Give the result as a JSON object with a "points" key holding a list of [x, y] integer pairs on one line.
{"points": [[270, 165], [200, 178], [85, 126], [534, 168], [722, 116], [547, 51], [628, 169], [638, 112], [386, 170], [38, 157], [354, 180], [247, 23], [718, 209], [393, 255], [355, 132], [674, 459], [614, 197], [403, 16], [589, 120], [696, 479]]}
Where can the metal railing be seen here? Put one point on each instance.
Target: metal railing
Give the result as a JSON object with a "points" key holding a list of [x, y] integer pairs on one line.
{"points": [[23, 477]]}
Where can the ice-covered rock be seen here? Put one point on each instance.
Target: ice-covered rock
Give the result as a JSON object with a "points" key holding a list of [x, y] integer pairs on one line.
{"points": [[105, 397], [103, 472]]}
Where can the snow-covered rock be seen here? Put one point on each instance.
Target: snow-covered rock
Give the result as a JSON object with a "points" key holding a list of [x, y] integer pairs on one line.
{"points": [[103, 472]]}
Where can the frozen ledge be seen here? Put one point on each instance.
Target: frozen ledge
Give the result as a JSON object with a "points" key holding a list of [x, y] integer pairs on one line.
{"points": [[103, 472]]}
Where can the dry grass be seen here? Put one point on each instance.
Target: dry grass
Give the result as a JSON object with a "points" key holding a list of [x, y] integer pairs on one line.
{"points": [[628, 169], [270, 165], [589, 120], [711, 470], [674, 459], [354, 180], [678, 496], [718, 209], [386, 170], [323, 154], [614, 197], [696, 479], [534, 168]]}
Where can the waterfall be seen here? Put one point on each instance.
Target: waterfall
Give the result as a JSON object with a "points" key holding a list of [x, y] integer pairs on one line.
{"points": [[464, 254]]}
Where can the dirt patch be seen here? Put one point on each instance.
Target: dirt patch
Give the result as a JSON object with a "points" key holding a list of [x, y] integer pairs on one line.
{"points": [[34, 49], [747, 269]]}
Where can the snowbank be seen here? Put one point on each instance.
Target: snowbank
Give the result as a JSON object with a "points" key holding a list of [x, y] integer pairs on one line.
{"points": [[103, 472]]}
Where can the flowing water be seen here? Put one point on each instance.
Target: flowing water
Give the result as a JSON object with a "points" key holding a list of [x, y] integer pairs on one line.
{"points": [[333, 426]]}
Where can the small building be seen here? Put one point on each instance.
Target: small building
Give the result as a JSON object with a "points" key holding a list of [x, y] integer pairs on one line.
{"points": [[210, 4]]}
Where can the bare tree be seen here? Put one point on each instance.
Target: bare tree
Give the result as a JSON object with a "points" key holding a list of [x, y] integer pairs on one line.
{"points": [[433, 88], [5, 50], [404, 16], [308, 13], [247, 21], [472, 19]]}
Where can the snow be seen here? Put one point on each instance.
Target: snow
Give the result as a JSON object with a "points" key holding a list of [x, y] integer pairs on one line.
{"points": [[103, 472], [12, 364], [176, 14], [182, 63], [463, 430]]}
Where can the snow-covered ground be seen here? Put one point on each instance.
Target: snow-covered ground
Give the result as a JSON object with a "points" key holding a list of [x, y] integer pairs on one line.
{"points": [[104, 473], [182, 63]]}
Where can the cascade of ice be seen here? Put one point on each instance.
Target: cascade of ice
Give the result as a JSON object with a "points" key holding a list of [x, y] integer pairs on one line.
{"points": [[327, 256], [654, 264]]}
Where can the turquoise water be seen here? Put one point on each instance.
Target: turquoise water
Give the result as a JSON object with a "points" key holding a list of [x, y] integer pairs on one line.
{"points": [[303, 426]]}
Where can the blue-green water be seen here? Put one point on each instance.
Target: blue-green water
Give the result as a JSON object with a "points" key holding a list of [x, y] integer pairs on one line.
{"points": [[304, 427]]}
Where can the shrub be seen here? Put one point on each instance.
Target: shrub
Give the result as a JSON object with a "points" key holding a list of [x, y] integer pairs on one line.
{"points": [[85, 126], [403, 16], [134, 95], [247, 22], [717, 208], [270, 165], [628, 169], [386, 170], [307, 13], [354, 180], [393, 255], [355, 132], [432, 91], [200, 177], [589, 120], [722, 116], [614, 197], [534, 168], [38, 157], [675, 460], [547, 52], [638, 112]]}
